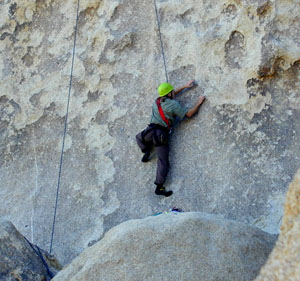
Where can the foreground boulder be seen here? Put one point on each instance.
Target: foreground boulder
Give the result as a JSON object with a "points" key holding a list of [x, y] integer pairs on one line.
{"points": [[181, 246], [20, 260], [284, 262]]}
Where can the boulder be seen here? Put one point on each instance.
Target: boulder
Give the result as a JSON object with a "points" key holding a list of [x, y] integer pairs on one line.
{"points": [[20, 260], [185, 246], [284, 261]]}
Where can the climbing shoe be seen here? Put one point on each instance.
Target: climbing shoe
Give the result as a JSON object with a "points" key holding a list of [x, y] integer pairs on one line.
{"points": [[146, 157], [160, 190]]}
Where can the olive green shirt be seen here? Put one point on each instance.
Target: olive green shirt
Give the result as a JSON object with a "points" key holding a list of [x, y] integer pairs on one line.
{"points": [[171, 109]]}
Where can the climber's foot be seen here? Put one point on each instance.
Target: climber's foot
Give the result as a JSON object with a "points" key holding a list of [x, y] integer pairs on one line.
{"points": [[146, 157], [160, 190]]}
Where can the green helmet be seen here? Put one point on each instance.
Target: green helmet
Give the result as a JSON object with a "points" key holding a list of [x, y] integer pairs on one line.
{"points": [[164, 89]]}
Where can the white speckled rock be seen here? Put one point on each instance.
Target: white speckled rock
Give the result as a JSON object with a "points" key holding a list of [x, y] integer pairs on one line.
{"points": [[187, 246], [235, 158]]}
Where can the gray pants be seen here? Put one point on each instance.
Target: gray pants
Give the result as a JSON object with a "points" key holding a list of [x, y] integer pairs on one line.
{"points": [[151, 137]]}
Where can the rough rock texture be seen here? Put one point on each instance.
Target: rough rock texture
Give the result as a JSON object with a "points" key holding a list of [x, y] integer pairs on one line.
{"points": [[284, 261], [191, 246], [234, 159], [18, 260]]}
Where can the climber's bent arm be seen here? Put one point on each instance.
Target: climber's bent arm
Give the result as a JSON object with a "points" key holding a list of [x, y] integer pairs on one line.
{"points": [[186, 86], [195, 108]]}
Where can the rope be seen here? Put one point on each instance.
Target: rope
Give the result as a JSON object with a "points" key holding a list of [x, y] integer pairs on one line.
{"points": [[40, 255], [161, 42], [65, 130]]}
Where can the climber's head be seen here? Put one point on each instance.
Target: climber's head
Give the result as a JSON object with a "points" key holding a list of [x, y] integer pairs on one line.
{"points": [[165, 89]]}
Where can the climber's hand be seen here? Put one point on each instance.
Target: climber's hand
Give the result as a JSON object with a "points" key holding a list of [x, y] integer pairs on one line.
{"points": [[201, 99], [190, 84]]}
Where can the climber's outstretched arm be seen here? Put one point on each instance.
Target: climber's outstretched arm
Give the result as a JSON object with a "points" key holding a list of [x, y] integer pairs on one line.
{"points": [[196, 107], [186, 86]]}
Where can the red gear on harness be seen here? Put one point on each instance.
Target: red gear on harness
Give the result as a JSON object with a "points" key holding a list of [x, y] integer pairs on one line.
{"points": [[162, 115]]}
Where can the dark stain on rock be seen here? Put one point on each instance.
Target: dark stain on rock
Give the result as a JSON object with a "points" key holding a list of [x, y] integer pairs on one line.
{"points": [[234, 49], [103, 59], [116, 13], [118, 80], [3, 99], [255, 87], [230, 10], [3, 129], [126, 41], [10, 36], [27, 60], [184, 17], [50, 109], [101, 117], [8, 108], [119, 44], [21, 28], [92, 97], [22, 79], [264, 10], [264, 117], [293, 72], [296, 64], [35, 99], [91, 243], [42, 6], [252, 82], [12, 9], [87, 14], [271, 69]]}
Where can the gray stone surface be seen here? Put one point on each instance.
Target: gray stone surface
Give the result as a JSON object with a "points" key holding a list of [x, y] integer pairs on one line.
{"points": [[18, 260], [234, 159], [284, 261], [187, 246]]}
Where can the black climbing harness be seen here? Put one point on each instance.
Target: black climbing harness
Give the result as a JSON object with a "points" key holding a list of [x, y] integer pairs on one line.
{"points": [[160, 134]]}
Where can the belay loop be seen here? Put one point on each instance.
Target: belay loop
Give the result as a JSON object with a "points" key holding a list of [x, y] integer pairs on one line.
{"points": [[162, 115]]}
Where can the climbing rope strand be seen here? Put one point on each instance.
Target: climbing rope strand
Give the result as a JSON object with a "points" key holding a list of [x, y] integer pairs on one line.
{"points": [[160, 39], [65, 129], [40, 255]]}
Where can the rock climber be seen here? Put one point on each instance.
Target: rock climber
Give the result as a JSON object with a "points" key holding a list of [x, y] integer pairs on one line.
{"points": [[164, 111]]}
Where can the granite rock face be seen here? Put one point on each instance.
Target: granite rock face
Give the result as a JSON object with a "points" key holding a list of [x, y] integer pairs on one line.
{"points": [[187, 246], [19, 260], [284, 261], [234, 159]]}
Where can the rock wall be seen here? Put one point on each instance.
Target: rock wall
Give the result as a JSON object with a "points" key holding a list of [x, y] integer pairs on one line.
{"points": [[234, 159], [284, 262]]}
